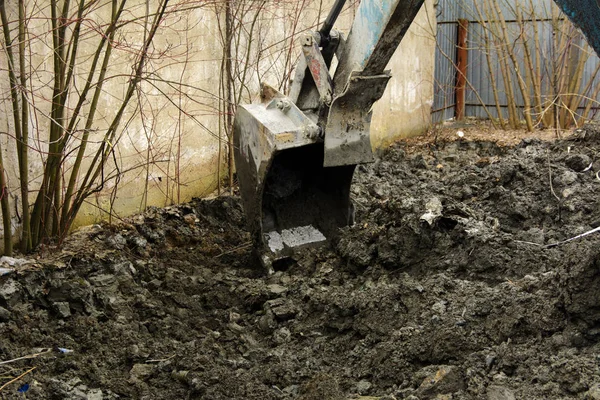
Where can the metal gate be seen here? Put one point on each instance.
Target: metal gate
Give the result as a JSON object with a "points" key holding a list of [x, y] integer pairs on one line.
{"points": [[529, 25]]}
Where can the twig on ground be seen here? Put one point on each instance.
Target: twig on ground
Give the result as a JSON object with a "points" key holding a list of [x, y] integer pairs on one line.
{"points": [[550, 178], [159, 360], [26, 357], [531, 243], [240, 247], [17, 378], [549, 246]]}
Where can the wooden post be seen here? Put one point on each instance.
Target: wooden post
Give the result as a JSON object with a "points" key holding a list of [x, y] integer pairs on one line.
{"points": [[461, 70]]}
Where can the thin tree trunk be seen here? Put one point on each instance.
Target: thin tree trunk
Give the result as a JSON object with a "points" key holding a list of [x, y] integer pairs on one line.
{"points": [[574, 98], [4, 192], [524, 92], [491, 68], [110, 34], [591, 101], [537, 78], [530, 70], [5, 206], [229, 95], [23, 143], [504, 69], [555, 74]]}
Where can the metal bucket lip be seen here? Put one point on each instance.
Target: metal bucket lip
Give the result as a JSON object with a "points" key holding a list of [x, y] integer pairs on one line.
{"points": [[312, 203]]}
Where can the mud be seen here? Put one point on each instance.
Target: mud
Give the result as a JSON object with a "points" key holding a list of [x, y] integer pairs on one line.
{"points": [[449, 286]]}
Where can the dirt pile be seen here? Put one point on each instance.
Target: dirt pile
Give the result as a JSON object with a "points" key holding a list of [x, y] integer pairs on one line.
{"points": [[450, 286]]}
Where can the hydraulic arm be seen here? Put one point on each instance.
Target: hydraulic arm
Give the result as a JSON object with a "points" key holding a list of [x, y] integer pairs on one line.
{"points": [[295, 155]]}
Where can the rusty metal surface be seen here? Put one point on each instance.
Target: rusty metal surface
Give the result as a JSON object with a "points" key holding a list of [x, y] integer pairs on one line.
{"points": [[347, 137], [304, 91], [318, 68]]}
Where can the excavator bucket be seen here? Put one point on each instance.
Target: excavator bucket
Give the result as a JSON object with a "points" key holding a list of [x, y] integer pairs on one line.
{"points": [[290, 199]]}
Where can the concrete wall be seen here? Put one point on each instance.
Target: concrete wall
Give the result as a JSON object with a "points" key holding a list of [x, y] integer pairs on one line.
{"points": [[170, 151], [405, 108]]}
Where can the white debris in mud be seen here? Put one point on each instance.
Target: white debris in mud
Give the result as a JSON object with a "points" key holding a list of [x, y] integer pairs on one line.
{"points": [[302, 235], [14, 262], [274, 241], [434, 211], [293, 237]]}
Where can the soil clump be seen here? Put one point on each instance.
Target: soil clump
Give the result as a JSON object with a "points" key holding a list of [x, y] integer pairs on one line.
{"points": [[456, 282]]}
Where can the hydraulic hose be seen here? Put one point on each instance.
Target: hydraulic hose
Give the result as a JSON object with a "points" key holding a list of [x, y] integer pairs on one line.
{"points": [[330, 20]]}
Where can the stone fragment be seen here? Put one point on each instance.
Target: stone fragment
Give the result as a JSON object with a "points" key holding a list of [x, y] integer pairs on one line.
{"points": [[116, 241], [9, 291], [140, 372], [79, 393], [4, 314], [62, 309], [235, 328], [419, 162], [566, 178], [102, 280], [95, 394], [593, 393], [363, 386], [490, 360], [578, 162], [282, 335], [495, 392], [281, 309], [267, 323], [124, 268], [139, 242], [191, 219], [14, 262], [181, 376], [433, 210], [447, 379], [276, 289]]}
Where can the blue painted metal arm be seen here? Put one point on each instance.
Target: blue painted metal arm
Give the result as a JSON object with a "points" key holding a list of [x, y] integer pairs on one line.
{"points": [[378, 28], [585, 14]]}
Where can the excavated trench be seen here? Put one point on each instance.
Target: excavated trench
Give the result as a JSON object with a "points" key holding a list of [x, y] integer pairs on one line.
{"points": [[449, 286]]}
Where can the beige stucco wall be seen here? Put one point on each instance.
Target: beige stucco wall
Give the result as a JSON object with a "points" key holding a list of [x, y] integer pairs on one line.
{"points": [[405, 108], [167, 155]]}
